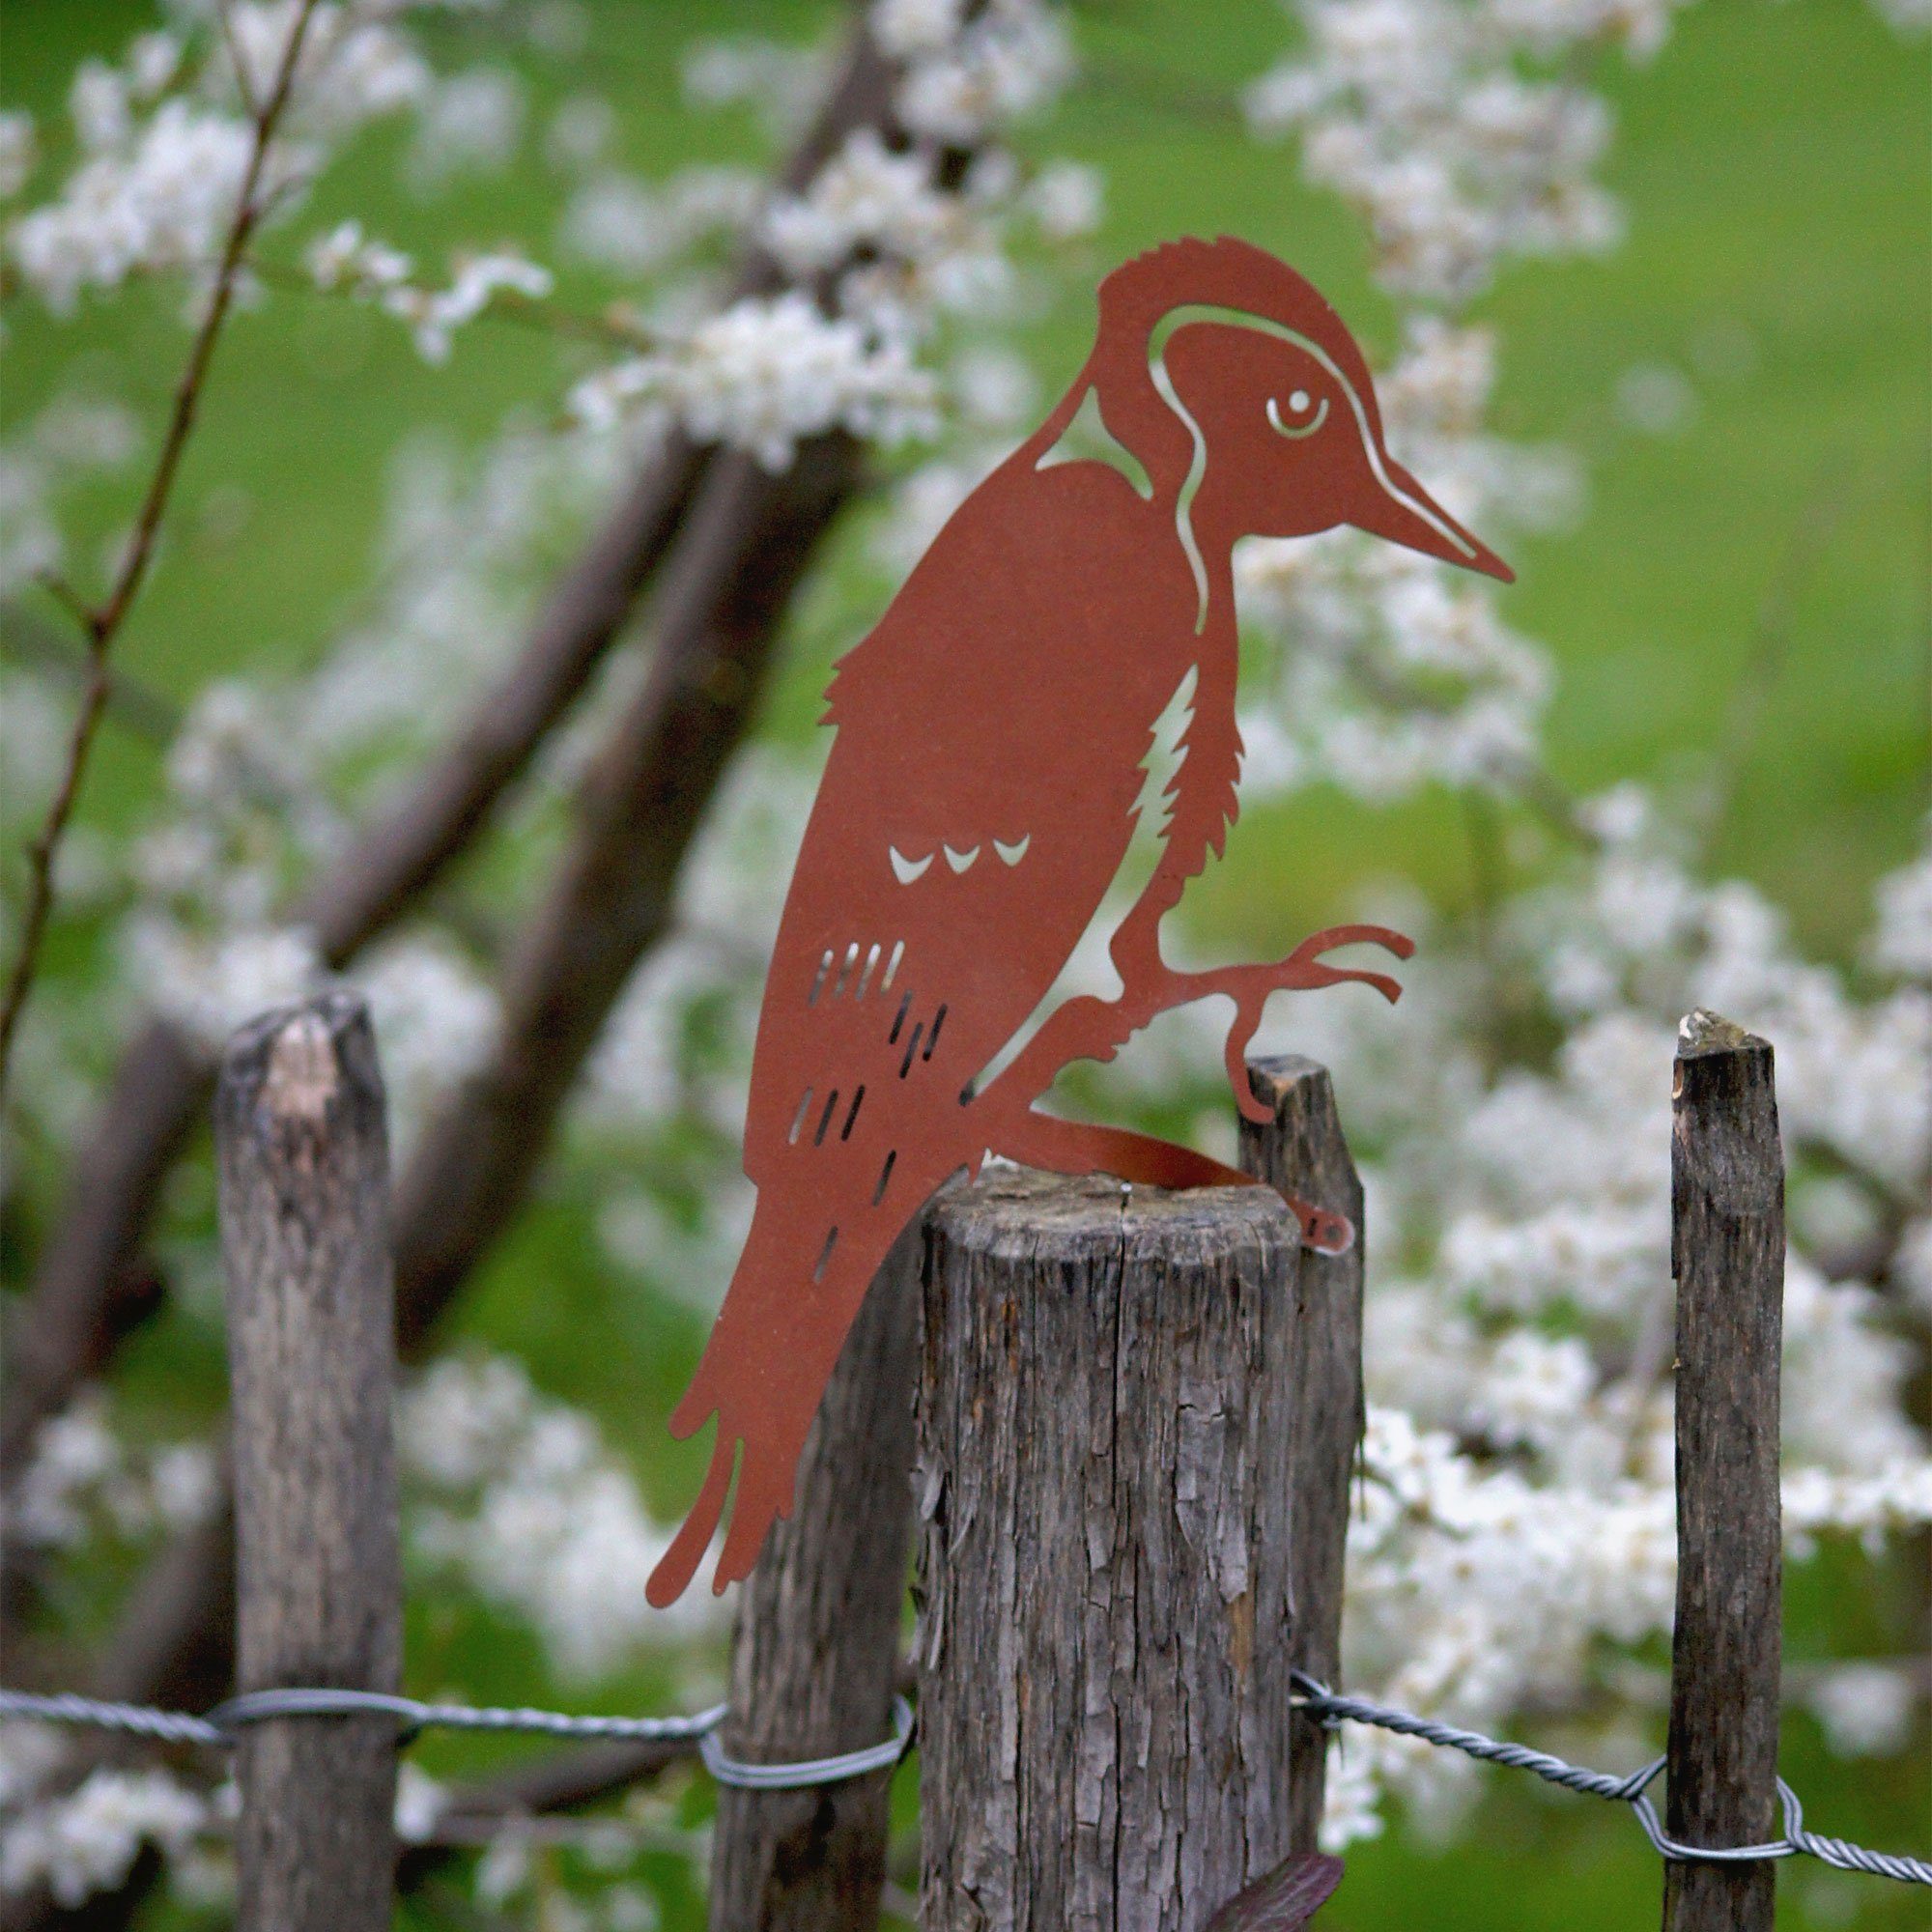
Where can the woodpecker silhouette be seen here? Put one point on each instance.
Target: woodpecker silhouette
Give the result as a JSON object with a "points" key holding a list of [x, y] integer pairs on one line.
{"points": [[978, 804]]}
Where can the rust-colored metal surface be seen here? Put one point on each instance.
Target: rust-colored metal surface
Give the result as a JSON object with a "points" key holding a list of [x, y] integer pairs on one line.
{"points": [[978, 803]]}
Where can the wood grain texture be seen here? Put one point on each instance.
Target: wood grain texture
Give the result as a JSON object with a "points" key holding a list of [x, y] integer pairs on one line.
{"points": [[1728, 1252], [1103, 1477], [1302, 1151], [304, 1182], [816, 1657]]}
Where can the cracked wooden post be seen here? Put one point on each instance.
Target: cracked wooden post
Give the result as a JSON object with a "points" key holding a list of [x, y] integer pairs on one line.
{"points": [[1728, 1252], [311, 1320], [816, 1657], [1304, 1151], [1104, 1467]]}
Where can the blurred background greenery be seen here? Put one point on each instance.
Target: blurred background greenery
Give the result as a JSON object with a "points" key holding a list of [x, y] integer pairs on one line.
{"points": [[1747, 380]]}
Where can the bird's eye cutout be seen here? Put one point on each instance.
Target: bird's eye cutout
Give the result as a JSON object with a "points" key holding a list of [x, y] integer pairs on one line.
{"points": [[1299, 421]]}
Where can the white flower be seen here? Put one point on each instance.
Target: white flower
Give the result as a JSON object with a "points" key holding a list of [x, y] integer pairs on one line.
{"points": [[162, 204], [478, 280], [907, 28], [1903, 941], [18, 151], [346, 258], [87, 1842], [98, 104], [1068, 199], [469, 124], [1865, 1709], [419, 1803]]}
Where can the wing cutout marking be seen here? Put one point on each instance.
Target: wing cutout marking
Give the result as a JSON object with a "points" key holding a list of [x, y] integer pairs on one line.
{"points": [[960, 861], [905, 871], [1012, 854]]}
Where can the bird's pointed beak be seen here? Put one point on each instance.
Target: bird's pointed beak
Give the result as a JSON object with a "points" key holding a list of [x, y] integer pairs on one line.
{"points": [[1403, 512]]}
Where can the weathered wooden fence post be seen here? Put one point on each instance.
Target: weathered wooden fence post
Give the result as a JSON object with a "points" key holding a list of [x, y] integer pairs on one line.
{"points": [[305, 1241], [815, 1659], [1728, 1252], [1302, 1151], [1104, 1474]]}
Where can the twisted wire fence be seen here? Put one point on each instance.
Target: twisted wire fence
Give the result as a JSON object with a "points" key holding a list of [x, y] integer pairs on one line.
{"points": [[220, 1727]]}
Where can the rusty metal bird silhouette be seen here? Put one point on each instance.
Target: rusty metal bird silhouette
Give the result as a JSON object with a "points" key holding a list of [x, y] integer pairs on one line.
{"points": [[979, 801]]}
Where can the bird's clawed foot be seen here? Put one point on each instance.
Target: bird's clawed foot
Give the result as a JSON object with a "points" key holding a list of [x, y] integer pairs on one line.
{"points": [[1303, 968]]}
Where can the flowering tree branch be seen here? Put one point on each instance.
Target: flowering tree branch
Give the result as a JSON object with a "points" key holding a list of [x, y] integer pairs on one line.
{"points": [[102, 623], [63, 1331]]}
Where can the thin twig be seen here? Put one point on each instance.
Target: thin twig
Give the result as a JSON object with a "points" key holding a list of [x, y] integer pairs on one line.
{"points": [[505, 306], [101, 624]]}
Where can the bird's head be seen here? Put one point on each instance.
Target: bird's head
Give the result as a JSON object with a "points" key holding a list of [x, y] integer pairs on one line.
{"points": [[1251, 407]]}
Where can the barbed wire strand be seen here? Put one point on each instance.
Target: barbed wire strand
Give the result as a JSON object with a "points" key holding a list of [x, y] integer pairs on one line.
{"points": [[218, 1729], [1332, 1710]]}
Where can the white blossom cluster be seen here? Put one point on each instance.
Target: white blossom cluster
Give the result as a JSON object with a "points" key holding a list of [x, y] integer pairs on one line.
{"points": [[761, 376], [877, 247], [1520, 1351], [1421, 113], [164, 141], [520, 1499], [87, 1840], [83, 1478]]}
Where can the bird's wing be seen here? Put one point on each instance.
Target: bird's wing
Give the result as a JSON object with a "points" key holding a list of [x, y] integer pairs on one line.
{"points": [[976, 807]]}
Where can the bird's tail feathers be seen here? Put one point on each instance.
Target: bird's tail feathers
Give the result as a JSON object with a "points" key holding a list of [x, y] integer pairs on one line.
{"points": [[763, 1372]]}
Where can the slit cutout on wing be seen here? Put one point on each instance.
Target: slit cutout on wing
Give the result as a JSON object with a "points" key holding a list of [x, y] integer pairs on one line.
{"points": [[884, 1175], [893, 965], [825, 1119], [819, 984], [912, 1047], [798, 1118], [845, 1132], [851, 961], [899, 1020], [825, 1256], [932, 1039], [865, 977]]}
